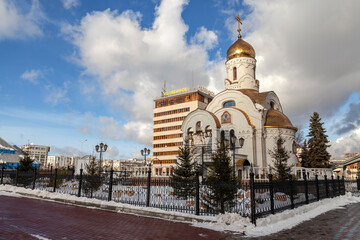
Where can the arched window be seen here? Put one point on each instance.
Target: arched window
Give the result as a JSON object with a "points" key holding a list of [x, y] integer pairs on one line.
{"points": [[222, 139], [234, 73], [272, 105], [294, 147], [229, 104], [198, 127], [232, 132]]}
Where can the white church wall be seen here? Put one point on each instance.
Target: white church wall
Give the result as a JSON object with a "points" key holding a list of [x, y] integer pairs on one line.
{"points": [[272, 135], [272, 97], [242, 102], [245, 68]]}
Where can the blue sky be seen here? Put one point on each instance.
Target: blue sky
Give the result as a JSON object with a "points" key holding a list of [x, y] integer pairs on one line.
{"points": [[74, 73]]}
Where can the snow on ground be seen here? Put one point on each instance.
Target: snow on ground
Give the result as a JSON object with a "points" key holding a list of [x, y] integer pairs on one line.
{"points": [[223, 222], [280, 221]]}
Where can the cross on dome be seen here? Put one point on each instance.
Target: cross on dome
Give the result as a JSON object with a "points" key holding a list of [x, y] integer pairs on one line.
{"points": [[239, 22]]}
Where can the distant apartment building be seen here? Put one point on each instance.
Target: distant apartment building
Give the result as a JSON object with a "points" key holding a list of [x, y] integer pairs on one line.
{"points": [[60, 161], [169, 113], [127, 168], [39, 153]]}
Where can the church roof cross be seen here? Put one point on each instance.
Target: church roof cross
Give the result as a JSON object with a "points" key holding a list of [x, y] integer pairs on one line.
{"points": [[239, 22]]}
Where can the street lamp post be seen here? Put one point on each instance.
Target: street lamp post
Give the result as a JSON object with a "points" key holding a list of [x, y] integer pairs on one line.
{"points": [[100, 149], [233, 146], [146, 152]]}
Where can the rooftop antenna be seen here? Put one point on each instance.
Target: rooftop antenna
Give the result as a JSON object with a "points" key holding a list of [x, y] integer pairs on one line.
{"points": [[163, 90]]}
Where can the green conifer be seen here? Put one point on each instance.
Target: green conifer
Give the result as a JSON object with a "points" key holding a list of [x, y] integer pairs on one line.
{"points": [[280, 156], [183, 177], [318, 143], [220, 181], [304, 155], [92, 177]]}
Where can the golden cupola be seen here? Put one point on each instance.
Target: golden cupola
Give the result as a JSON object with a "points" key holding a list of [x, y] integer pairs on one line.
{"points": [[240, 48]]}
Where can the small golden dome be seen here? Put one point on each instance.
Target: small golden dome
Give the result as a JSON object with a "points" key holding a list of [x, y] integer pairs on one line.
{"points": [[276, 119], [240, 48]]}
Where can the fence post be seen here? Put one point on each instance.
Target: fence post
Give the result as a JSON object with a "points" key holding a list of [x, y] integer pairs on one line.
{"points": [[333, 186], [80, 182], [110, 184], [326, 186], [16, 177], [291, 191], [358, 184], [55, 179], [197, 197], [271, 186], [2, 174], [343, 185], [317, 187], [338, 182], [306, 189], [148, 188], [34, 179], [252, 196]]}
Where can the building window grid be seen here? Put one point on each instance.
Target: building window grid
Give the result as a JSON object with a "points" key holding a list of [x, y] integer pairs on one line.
{"points": [[170, 120], [162, 145], [179, 99], [179, 135], [166, 153], [181, 110], [167, 128]]}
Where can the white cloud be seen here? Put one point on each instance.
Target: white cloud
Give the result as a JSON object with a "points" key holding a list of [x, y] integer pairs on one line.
{"points": [[15, 24], [309, 53], [66, 151], [70, 3], [57, 95], [131, 64], [139, 131], [112, 152], [109, 128], [32, 75], [345, 144], [206, 38]]}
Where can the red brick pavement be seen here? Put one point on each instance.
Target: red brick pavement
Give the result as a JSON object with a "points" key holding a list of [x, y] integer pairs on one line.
{"points": [[22, 218], [342, 223]]}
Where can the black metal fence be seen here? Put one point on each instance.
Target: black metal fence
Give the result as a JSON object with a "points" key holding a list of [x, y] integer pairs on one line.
{"points": [[253, 198], [270, 197]]}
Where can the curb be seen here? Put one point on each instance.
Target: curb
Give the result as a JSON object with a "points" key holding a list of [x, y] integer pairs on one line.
{"points": [[140, 212]]}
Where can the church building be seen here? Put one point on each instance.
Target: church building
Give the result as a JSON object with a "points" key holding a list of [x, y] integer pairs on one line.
{"points": [[248, 121]]}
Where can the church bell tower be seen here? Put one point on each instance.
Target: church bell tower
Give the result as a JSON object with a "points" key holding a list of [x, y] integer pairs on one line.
{"points": [[241, 64]]}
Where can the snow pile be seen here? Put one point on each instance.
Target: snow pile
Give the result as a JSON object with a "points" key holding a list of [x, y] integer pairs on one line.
{"points": [[280, 221], [223, 222]]}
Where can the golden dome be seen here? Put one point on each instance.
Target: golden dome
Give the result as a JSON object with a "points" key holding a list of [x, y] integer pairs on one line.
{"points": [[240, 48], [276, 119]]}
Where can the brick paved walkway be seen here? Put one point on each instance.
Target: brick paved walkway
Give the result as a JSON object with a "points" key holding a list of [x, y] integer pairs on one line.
{"points": [[23, 218], [343, 223]]}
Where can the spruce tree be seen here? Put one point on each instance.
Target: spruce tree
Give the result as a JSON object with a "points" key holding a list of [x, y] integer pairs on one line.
{"points": [[304, 155], [221, 182], [318, 143], [280, 156], [25, 163], [92, 177], [25, 166], [183, 177]]}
